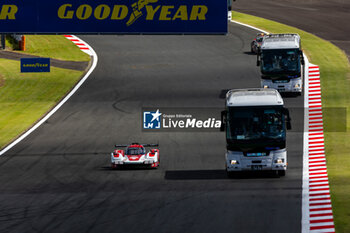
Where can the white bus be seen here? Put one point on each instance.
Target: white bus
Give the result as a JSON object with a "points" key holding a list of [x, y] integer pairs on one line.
{"points": [[281, 63], [255, 122]]}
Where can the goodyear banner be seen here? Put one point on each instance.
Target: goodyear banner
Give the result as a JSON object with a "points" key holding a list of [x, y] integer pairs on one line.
{"points": [[114, 16], [35, 65]]}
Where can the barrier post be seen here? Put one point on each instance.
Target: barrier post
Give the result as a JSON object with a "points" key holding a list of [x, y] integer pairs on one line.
{"points": [[22, 44]]}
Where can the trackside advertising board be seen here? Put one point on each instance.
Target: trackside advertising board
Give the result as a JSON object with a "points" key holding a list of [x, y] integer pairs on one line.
{"points": [[35, 65], [113, 16]]}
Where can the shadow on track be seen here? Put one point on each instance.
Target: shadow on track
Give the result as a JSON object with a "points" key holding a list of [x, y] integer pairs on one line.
{"points": [[127, 168], [250, 53], [289, 94], [214, 175], [223, 93]]}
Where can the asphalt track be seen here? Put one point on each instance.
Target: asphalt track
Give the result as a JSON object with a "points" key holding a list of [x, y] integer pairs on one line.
{"points": [[326, 19], [58, 179]]}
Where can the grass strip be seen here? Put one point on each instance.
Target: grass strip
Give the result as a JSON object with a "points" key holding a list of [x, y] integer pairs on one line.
{"points": [[335, 74], [53, 46], [26, 97]]}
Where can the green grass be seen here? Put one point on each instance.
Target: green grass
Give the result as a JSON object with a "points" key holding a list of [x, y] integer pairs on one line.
{"points": [[26, 97], [53, 46], [335, 83]]}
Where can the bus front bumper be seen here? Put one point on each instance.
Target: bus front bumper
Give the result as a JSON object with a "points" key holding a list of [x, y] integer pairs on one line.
{"points": [[276, 160], [293, 85]]}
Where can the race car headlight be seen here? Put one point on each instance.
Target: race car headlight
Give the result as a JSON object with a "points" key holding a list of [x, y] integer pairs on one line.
{"points": [[234, 162], [279, 160], [265, 86], [297, 85]]}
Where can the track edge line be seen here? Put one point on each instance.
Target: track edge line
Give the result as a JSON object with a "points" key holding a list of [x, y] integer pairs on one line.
{"points": [[58, 105]]}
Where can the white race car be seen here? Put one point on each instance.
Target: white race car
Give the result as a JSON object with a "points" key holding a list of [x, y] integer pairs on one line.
{"points": [[135, 154]]}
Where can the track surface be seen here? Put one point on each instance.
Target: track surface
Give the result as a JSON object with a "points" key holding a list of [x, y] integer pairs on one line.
{"points": [[58, 179], [326, 19]]}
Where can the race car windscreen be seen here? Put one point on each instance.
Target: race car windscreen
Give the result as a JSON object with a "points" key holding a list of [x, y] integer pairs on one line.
{"points": [[253, 123], [135, 151], [280, 61]]}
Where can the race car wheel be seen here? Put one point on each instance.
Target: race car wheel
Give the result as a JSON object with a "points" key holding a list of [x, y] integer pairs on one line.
{"points": [[154, 165], [114, 166]]}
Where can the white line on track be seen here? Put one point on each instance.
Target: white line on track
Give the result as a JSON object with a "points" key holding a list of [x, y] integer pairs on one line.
{"points": [[312, 88], [313, 149]]}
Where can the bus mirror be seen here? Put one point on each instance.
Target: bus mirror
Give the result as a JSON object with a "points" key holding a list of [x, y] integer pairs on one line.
{"points": [[302, 58], [223, 120], [289, 125]]}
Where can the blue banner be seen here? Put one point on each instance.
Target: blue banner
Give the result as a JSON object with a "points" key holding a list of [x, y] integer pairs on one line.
{"points": [[113, 16], [35, 65]]}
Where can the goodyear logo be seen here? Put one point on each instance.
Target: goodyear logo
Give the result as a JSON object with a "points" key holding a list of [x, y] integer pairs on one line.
{"points": [[148, 9], [8, 12], [113, 16], [35, 65]]}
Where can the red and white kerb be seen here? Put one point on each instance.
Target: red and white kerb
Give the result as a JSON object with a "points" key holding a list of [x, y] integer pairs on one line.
{"points": [[80, 43], [320, 215]]}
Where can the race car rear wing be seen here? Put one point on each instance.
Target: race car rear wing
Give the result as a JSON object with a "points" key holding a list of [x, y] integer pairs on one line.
{"points": [[120, 146], [150, 145], [144, 145]]}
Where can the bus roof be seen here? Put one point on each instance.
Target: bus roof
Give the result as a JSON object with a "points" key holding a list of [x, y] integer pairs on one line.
{"points": [[253, 97], [281, 41]]}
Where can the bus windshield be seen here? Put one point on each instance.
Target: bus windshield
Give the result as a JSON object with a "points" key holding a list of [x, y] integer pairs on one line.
{"points": [[254, 123], [280, 61]]}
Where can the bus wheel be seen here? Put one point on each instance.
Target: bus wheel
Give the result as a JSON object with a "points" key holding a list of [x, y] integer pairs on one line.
{"points": [[282, 172], [231, 175]]}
